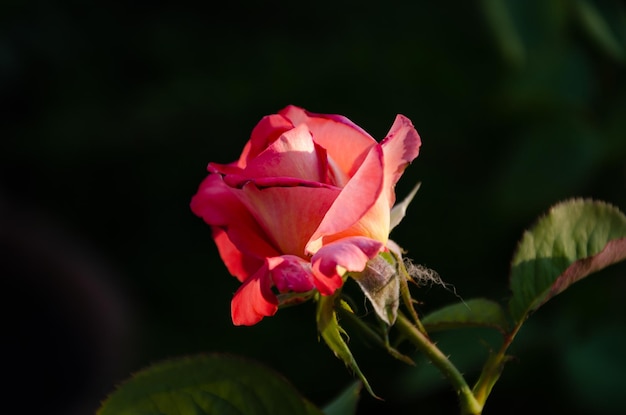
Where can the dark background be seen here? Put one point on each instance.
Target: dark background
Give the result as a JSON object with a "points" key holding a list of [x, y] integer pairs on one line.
{"points": [[110, 113]]}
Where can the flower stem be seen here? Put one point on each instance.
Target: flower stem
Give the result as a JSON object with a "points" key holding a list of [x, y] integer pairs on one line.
{"points": [[493, 368], [469, 404]]}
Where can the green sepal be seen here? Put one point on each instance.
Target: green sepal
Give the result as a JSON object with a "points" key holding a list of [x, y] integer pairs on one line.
{"points": [[380, 283], [405, 293], [399, 210], [328, 327]]}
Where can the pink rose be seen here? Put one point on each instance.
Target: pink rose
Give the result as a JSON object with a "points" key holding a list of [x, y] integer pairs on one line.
{"points": [[308, 199]]}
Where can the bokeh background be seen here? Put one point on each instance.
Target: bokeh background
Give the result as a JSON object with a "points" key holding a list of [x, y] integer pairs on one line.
{"points": [[111, 111]]}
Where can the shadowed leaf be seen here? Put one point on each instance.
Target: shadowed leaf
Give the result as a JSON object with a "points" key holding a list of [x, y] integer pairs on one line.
{"points": [[346, 402], [478, 312], [206, 385], [575, 239]]}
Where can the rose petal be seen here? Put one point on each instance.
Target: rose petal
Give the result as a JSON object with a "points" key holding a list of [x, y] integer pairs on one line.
{"points": [[346, 143], [239, 181], [288, 215], [291, 273], [264, 133], [216, 203], [354, 201], [400, 147], [230, 168], [334, 259], [294, 154], [238, 264], [375, 223], [254, 299]]}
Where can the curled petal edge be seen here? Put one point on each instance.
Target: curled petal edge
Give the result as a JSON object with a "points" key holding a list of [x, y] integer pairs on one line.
{"points": [[254, 299], [344, 255]]}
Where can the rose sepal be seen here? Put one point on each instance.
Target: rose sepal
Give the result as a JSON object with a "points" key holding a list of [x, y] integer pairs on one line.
{"points": [[332, 333]]}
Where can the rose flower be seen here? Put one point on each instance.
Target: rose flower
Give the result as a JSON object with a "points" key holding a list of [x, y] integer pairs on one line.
{"points": [[308, 200]]}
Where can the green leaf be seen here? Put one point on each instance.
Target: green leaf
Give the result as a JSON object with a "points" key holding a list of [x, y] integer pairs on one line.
{"points": [[206, 385], [331, 332], [478, 312], [380, 283], [346, 403], [575, 239]]}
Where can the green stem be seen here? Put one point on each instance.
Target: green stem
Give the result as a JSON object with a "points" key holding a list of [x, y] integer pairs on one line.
{"points": [[469, 404], [493, 368]]}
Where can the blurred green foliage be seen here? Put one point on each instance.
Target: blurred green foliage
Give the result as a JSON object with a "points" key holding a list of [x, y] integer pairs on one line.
{"points": [[111, 111]]}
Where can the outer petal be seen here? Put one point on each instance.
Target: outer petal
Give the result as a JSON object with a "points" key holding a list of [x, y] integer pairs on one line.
{"points": [[264, 133], [334, 259], [400, 147], [354, 201], [239, 264], [254, 299], [217, 204], [346, 143], [291, 273]]}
